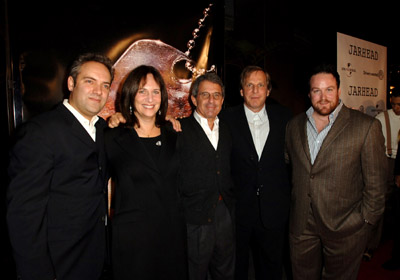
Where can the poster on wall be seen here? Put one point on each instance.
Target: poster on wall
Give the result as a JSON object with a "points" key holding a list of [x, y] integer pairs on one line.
{"points": [[362, 67]]}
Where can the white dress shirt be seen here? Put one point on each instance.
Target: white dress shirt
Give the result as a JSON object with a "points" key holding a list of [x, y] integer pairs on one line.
{"points": [[88, 125], [259, 127], [213, 135]]}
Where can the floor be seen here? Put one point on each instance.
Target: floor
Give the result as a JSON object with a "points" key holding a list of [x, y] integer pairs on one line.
{"points": [[373, 270]]}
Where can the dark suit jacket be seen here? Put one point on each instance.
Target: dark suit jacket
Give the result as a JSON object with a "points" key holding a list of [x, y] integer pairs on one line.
{"points": [[56, 198], [346, 183], [148, 233], [269, 174], [205, 172]]}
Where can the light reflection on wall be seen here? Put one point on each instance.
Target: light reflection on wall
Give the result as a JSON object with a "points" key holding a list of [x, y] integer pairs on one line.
{"points": [[167, 60]]}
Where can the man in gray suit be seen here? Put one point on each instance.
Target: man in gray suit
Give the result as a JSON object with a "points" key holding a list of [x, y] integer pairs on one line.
{"points": [[338, 174]]}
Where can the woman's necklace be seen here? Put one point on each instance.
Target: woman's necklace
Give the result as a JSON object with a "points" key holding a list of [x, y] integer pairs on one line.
{"points": [[143, 133]]}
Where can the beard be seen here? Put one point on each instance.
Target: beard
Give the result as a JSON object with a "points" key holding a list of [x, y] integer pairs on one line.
{"points": [[325, 108]]}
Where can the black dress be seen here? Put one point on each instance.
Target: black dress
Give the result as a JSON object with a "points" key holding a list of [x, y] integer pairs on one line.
{"points": [[148, 230]]}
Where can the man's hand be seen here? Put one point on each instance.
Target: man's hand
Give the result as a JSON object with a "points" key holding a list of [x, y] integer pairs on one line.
{"points": [[115, 120], [175, 123]]}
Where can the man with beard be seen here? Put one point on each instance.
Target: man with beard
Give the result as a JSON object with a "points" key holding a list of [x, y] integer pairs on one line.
{"points": [[339, 166]]}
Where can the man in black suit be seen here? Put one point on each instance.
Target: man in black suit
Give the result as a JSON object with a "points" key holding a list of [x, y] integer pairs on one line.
{"points": [[260, 174], [206, 186], [56, 196]]}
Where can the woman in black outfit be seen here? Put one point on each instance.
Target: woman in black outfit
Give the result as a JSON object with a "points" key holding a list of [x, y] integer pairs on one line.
{"points": [[148, 233]]}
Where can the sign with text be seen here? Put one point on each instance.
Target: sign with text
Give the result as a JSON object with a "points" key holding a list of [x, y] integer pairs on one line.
{"points": [[362, 67]]}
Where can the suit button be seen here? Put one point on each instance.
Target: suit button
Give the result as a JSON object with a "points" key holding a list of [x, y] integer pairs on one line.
{"points": [[312, 176], [209, 220], [218, 172]]}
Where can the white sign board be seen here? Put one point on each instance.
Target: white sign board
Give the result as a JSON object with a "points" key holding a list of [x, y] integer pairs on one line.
{"points": [[362, 67]]}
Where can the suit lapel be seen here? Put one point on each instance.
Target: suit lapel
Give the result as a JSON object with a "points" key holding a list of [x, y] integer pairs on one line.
{"points": [[243, 125], [100, 126], [273, 120], [302, 129], [76, 127], [200, 132], [339, 125]]}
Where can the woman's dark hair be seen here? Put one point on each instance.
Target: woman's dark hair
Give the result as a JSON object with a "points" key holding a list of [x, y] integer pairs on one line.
{"points": [[133, 82]]}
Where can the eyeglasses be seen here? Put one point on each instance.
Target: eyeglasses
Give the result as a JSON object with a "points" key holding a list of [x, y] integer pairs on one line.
{"points": [[206, 95]]}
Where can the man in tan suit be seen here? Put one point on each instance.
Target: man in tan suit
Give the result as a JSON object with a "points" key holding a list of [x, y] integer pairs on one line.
{"points": [[338, 175]]}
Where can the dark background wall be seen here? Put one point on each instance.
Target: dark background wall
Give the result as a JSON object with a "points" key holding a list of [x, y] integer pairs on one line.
{"points": [[285, 38]]}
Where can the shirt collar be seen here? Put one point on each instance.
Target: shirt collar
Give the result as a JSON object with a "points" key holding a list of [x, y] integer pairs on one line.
{"points": [[203, 121], [79, 116], [332, 116], [250, 114]]}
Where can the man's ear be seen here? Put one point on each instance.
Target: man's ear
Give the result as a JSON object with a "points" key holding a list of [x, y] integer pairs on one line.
{"points": [[194, 100], [70, 83]]}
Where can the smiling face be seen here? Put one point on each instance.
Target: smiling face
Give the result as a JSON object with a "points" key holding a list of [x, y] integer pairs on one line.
{"points": [[209, 100], [324, 93], [90, 91], [148, 98], [255, 90]]}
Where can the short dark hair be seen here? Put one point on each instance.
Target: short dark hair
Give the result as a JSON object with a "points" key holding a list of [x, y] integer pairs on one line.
{"points": [[324, 68], [194, 88], [211, 77], [130, 89], [395, 92], [88, 57], [253, 68]]}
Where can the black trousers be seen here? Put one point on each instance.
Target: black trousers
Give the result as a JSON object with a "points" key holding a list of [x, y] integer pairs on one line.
{"points": [[211, 248], [267, 247]]}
